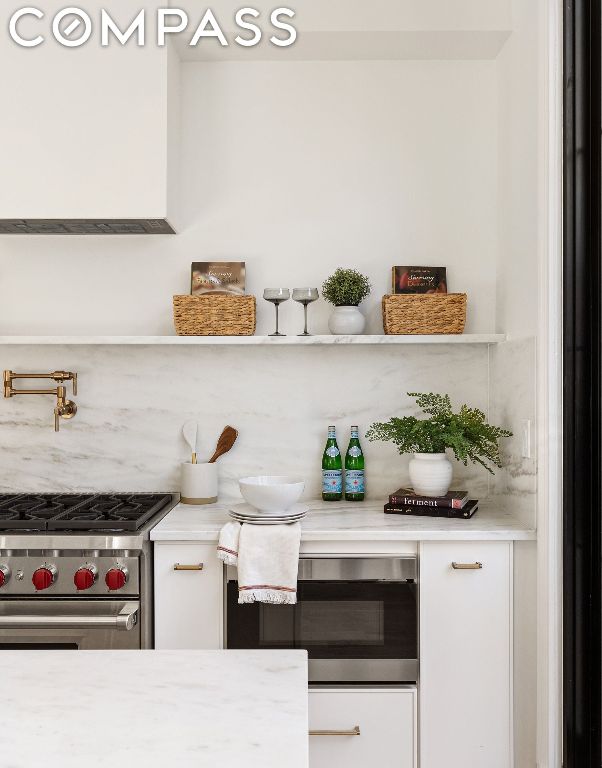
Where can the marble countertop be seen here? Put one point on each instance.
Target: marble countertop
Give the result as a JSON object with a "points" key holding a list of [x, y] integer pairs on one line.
{"points": [[345, 521], [63, 709]]}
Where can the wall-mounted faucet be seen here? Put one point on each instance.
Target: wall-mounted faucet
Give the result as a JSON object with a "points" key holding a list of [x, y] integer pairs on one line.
{"points": [[65, 409]]}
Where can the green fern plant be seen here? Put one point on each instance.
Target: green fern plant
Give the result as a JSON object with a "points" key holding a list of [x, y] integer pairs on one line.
{"points": [[467, 432], [346, 288]]}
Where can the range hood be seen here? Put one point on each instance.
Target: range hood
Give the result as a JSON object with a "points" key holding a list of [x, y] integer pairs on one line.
{"points": [[91, 136], [85, 227]]}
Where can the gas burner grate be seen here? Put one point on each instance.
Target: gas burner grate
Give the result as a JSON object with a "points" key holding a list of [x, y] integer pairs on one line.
{"points": [[79, 512], [119, 511], [32, 511]]}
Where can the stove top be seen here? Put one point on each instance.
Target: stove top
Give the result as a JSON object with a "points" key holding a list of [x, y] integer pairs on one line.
{"points": [[43, 512]]}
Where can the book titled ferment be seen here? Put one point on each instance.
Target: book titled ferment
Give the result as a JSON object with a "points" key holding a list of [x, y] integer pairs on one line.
{"points": [[467, 511], [406, 497]]}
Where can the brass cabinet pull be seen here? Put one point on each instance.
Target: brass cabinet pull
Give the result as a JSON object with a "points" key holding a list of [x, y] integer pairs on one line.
{"points": [[355, 731], [467, 566], [198, 567]]}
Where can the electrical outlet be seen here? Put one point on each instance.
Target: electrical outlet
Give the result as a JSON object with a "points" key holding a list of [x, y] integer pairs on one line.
{"points": [[526, 451]]}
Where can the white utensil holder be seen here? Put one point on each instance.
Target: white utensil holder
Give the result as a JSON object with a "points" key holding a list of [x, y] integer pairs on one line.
{"points": [[198, 483]]}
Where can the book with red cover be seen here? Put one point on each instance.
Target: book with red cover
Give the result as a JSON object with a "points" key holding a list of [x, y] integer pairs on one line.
{"points": [[407, 497], [466, 512]]}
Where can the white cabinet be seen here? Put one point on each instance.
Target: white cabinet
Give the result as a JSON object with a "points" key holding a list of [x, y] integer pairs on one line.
{"points": [[88, 131], [188, 598], [385, 719], [465, 665]]}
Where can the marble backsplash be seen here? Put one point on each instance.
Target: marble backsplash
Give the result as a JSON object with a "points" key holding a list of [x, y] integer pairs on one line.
{"points": [[513, 401], [133, 401]]}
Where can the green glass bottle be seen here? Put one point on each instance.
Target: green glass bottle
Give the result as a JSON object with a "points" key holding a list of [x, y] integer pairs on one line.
{"points": [[354, 469], [332, 469]]}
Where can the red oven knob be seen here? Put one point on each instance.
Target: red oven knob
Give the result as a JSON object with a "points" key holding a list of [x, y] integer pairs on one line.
{"points": [[85, 577], [116, 578], [44, 577], [4, 574]]}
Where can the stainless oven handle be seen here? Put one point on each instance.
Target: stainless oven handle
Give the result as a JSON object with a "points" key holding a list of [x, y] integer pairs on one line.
{"points": [[355, 731], [125, 620]]}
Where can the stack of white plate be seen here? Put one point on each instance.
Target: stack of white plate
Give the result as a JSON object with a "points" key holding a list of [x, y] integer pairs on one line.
{"points": [[245, 513]]}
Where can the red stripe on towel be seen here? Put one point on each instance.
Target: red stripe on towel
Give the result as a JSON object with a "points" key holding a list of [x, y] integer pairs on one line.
{"points": [[229, 551]]}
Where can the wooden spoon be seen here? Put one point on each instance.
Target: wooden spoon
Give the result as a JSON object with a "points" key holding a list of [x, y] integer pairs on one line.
{"points": [[225, 442]]}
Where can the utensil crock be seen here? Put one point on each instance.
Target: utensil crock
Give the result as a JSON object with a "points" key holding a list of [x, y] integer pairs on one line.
{"points": [[198, 483]]}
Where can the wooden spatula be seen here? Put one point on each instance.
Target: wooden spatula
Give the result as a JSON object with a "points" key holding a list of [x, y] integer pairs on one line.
{"points": [[225, 442]]}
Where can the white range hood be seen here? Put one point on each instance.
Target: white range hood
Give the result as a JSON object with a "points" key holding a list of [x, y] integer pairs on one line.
{"points": [[89, 134]]}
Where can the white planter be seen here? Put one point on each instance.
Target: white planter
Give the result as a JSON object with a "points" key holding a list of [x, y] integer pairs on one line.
{"points": [[346, 321], [430, 474]]}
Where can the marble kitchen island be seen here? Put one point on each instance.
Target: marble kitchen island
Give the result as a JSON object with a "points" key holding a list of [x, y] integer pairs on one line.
{"points": [[64, 709]]}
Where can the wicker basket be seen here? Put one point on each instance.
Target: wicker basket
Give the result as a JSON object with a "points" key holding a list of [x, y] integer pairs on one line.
{"points": [[214, 315], [424, 313]]}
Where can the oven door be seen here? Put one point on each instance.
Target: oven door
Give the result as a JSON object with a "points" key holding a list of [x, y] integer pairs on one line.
{"points": [[69, 624], [357, 618]]}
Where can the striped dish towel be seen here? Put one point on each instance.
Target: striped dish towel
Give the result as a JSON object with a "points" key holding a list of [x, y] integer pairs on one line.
{"points": [[267, 557]]}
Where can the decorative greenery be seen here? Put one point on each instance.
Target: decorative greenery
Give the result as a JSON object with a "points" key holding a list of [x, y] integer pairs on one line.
{"points": [[346, 288], [467, 433]]}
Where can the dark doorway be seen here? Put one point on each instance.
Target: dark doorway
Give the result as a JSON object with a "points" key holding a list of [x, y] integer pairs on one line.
{"points": [[582, 500]]}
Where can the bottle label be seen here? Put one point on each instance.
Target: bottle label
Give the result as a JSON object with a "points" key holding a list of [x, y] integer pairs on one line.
{"points": [[332, 481], [354, 481], [333, 451], [355, 451]]}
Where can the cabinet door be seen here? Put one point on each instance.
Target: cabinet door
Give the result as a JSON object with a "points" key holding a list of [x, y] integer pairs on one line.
{"points": [[465, 664], [385, 719], [188, 600]]}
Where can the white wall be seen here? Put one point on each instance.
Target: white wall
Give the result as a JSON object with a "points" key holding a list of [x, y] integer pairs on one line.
{"points": [[297, 168], [513, 365]]}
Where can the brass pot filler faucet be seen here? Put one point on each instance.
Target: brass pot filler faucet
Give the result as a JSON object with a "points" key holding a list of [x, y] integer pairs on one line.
{"points": [[65, 409]]}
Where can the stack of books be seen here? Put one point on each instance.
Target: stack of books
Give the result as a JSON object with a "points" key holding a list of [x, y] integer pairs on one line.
{"points": [[454, 504]]}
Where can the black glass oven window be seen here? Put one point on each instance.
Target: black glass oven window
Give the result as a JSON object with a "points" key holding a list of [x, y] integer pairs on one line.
{"points": [[353, 620], [38, 647], [341, 622]]}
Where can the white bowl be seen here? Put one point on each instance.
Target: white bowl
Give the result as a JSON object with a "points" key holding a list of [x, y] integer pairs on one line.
{"points": [[270, 493]]}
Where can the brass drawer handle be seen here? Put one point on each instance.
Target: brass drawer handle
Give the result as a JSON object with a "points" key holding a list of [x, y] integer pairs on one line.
{"points": [[355, 731], [198, 567], [467, 566]]}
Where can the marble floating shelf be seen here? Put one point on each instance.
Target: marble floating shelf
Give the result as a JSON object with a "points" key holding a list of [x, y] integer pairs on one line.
{"points": [[249, 341]]}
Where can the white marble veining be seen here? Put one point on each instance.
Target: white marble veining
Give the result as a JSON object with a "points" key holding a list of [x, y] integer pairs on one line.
{"points": [[133, 400], [252, 341], [344, 521], [187, 709], [513, 402]]}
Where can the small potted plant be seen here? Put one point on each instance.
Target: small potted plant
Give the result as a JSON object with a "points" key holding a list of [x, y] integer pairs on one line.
{"points": [[466, 433], [346, 289]]}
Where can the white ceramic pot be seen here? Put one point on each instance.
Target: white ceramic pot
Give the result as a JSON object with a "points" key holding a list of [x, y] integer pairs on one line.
{"points": [[346, 321], [430, 474], [198, 483]]}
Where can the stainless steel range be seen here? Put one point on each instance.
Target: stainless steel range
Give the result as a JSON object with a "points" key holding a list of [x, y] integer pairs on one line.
{"points": [[76, 569]]}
